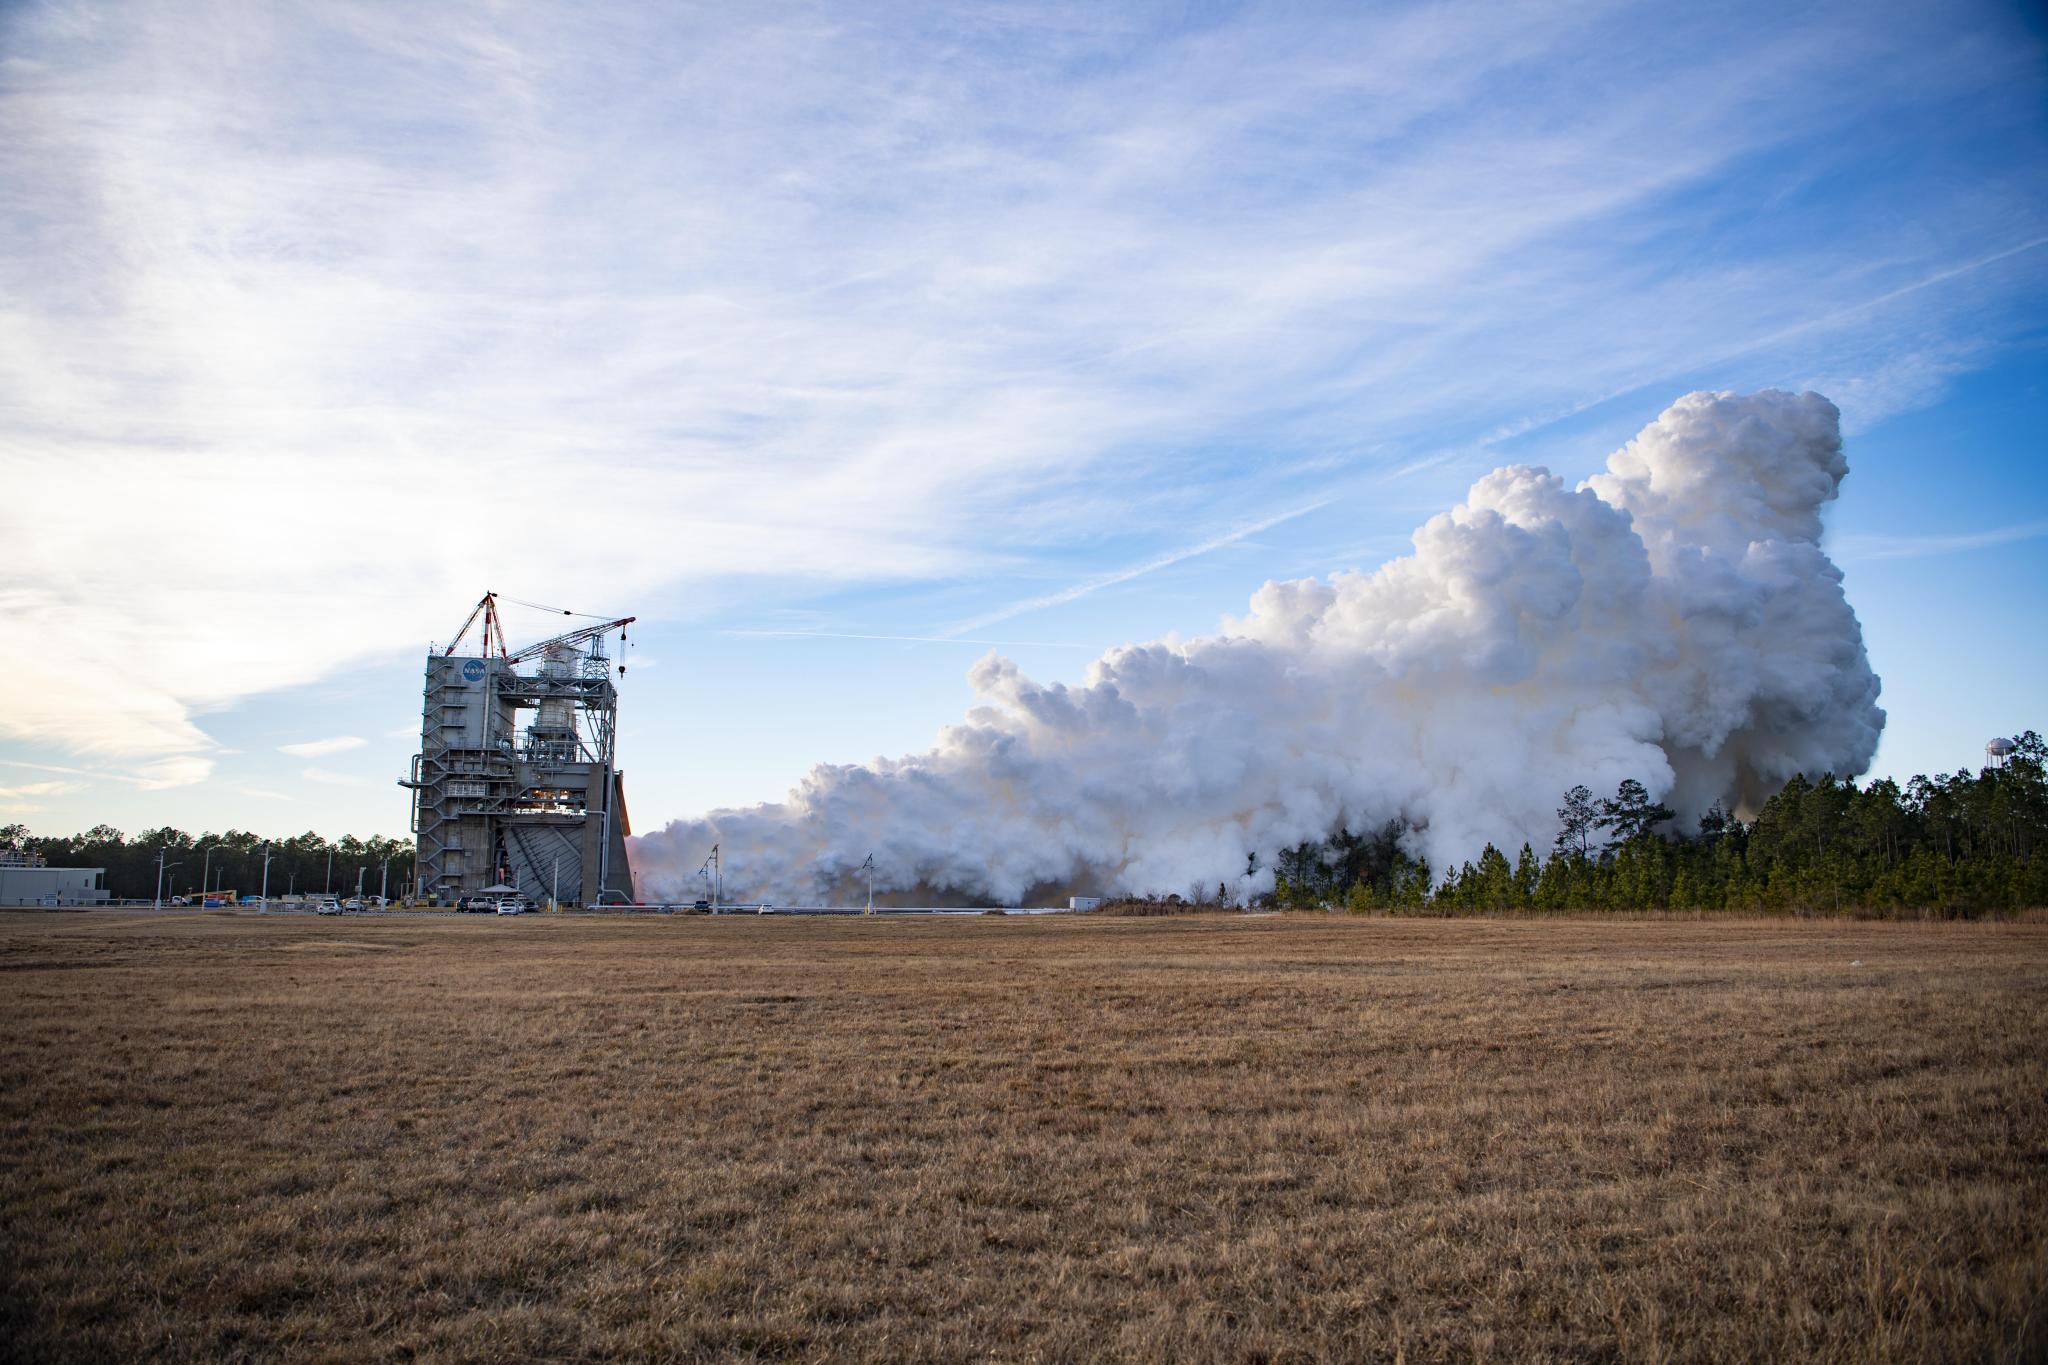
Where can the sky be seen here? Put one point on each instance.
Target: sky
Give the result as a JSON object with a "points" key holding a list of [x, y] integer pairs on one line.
{"points": [[843, 343]]}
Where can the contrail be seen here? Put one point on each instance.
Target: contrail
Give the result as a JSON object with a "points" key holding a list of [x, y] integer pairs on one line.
{"points": [[1110, 580], [912, 639], [1870, 546]]}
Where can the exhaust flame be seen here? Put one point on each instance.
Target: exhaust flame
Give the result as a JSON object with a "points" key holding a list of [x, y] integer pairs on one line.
{"points": [[1673, 619]]}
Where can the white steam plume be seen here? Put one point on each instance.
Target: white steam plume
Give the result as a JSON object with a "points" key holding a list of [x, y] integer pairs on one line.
{"points": [[1672, 620]]}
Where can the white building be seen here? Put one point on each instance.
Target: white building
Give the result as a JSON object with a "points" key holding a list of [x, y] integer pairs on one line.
{"points": [[24, 880]]}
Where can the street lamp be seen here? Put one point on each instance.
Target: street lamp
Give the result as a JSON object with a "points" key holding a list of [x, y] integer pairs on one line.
{"points": [[264, 898], [204, 864], [869, 865], [161, 868]]}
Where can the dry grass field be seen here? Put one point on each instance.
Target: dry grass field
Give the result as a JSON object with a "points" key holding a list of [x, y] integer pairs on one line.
{"points": [[1272, 1139]]}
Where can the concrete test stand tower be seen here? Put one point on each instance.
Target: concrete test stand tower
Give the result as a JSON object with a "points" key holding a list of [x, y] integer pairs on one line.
{"points": [[539, 807]]}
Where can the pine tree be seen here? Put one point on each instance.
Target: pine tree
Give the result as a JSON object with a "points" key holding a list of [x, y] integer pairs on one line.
{"points": [[1628, 813], [1575, 820], [1527, 874]]}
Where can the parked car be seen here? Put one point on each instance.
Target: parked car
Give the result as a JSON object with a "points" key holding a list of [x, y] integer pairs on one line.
{"points": [[486, 904], [329, 906], [765, 909], [509, 906]]}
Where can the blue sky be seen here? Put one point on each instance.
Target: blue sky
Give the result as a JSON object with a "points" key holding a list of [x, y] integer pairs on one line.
{"points": [[1035, 327]]}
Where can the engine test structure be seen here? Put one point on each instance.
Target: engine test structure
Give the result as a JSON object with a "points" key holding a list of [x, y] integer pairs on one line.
{"points": [[539, 807]]}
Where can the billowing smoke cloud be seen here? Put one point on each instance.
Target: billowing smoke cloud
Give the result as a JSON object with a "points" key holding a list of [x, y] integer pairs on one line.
{"points": [[1672, 619]]}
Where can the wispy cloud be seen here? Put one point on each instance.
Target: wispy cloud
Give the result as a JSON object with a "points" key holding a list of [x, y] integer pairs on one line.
{"points": [[183, 771], [47, 767], [180, 771], [320, 748], [27, 790], [854, 299]]}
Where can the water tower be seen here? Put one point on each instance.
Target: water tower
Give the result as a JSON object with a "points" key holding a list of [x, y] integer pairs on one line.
{"points": [[1997, 752]]}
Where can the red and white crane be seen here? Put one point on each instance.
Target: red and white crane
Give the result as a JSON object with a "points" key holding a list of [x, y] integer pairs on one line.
{"points": [[494, 631]]}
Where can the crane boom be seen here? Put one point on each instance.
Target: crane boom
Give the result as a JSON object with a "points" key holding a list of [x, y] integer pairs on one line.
{"points": [[572, 638], [494, 633], [487, 607]]}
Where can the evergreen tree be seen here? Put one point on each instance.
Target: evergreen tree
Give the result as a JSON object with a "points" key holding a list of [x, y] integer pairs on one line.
{"points": [[1527, 874], [1628, 813], [1575, 821]]}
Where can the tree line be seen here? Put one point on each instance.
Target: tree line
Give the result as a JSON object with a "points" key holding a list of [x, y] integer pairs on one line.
{"points": [[304, 864], [1952, 844]]}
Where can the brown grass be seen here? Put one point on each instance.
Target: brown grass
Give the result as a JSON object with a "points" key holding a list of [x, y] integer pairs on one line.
{"points": [[1074, 1139]]}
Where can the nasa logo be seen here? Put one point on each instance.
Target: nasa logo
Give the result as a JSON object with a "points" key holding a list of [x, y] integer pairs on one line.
{"points": [[474, 670]]}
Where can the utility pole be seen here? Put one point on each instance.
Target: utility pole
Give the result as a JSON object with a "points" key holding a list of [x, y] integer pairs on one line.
{"points": [[359, 881], [870, 866], [263, 900], [713, 880], [204, 864], [330, 873], [384, 885]]}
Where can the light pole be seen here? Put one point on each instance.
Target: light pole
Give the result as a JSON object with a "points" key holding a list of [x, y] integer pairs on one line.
{"points": [[161, 868], [263, 899], [384, 885], [555, 894], [330, 873], [870, 866], [359, 883], [205, 864]]}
